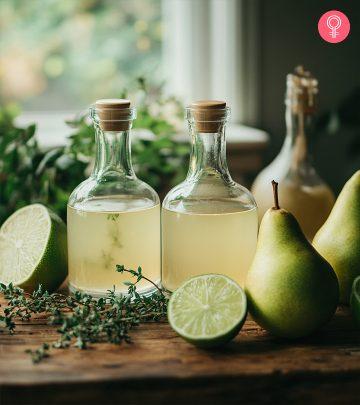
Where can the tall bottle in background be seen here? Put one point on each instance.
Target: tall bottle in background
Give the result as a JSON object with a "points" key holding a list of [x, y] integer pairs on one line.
{"points": [[209, 222], [301, 190], [113, 217]]}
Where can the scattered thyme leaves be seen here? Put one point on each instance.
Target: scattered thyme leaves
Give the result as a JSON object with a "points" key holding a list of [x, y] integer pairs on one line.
{"points": [[40, 353], [81, 319]]}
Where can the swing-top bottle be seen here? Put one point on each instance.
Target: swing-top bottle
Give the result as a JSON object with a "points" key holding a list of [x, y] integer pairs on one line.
{"points": [[301, 190]]}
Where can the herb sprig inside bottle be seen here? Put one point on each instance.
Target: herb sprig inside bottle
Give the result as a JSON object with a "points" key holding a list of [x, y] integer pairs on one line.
{"points": [[82, 319]]}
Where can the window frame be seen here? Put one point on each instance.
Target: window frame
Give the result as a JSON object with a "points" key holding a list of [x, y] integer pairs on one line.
{"points": [[211, 51]]}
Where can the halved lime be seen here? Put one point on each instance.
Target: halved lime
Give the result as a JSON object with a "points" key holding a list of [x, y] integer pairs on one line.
{"points": [[208, 310], [355, 300], [33, 249]]}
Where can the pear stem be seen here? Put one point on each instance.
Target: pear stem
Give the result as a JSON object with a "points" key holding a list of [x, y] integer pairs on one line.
{"points": [[276, 194]]}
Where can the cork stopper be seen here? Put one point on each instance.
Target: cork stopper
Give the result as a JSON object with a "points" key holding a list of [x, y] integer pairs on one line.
{"points": [[301, 92], [114, 114], [208, 115]]}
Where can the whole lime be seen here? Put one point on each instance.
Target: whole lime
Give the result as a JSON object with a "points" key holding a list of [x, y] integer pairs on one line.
{"points": [[355, 300]]}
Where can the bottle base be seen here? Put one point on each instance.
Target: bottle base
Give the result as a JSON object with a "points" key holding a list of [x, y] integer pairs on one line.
{"points": [[145, 292]]}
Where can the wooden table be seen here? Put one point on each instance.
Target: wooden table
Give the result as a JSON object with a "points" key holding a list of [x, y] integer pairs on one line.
{"points": [[160, 368]]}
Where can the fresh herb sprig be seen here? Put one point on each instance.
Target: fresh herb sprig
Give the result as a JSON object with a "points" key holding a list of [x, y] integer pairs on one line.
{"points": [[82, 319], [29, 174]]}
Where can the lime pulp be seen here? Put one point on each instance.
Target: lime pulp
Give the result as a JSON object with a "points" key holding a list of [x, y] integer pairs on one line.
{"points": [[33, 249], [208, 310]]}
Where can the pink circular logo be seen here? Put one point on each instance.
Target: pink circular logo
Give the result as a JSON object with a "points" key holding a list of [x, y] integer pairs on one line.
{"points": [[334, 26]]}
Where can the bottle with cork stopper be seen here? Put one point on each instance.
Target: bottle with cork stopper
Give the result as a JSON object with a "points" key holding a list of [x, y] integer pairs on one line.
{"points": [[209, 222], [113, 217], [301, 190]]}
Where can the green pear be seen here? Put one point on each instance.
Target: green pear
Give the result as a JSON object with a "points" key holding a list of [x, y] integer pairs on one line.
{"points": [[338, 240], [291, 289]]}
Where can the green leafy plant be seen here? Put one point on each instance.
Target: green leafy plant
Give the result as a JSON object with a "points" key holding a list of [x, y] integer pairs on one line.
{"points": [[81, 319], [29, 174]]}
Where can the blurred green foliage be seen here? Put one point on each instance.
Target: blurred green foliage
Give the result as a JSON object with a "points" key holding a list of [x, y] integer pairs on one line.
{"points": [[65, 54], [29, 174]]}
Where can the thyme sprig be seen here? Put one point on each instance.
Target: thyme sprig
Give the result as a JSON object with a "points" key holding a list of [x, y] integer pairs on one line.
{"points": [[82, 319]]}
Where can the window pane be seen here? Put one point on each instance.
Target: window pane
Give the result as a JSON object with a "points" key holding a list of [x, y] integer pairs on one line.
{"points": [[65, 54]]}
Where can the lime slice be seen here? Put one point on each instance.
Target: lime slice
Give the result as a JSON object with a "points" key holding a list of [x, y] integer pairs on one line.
{"points": [[355, 300], [208, 310], [33, 249]]}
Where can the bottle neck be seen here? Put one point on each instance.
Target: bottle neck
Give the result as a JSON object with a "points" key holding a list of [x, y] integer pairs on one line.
{"points": [[297, 144], [208, 154], [113, 154]]}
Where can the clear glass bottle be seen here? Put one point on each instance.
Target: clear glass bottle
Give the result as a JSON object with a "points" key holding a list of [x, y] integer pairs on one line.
{"points": [[209, 222], [113, 217], [301, 190]]}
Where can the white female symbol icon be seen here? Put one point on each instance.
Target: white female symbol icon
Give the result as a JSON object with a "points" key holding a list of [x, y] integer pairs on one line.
{"points": [[334, 26], [334, 23]]}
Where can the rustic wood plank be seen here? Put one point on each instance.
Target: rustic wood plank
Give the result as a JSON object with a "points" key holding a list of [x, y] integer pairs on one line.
{"points": [[159, 367]]}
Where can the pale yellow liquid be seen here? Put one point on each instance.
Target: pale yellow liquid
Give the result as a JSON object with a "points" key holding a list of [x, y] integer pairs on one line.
{"points": [[201, 243], [310, 205], [99, 238]]}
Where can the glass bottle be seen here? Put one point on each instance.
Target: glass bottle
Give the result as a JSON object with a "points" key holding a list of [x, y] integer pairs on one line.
{"points": [[113, 217], [301, 190], [209, 222]]}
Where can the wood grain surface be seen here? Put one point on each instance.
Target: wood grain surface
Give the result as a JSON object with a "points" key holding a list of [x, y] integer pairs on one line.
{"points": [[159, 367]]}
